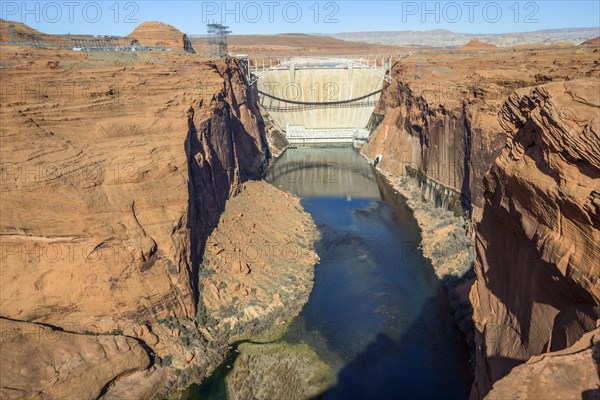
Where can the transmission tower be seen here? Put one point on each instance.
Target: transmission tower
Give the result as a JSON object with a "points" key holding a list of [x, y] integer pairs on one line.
{"points": [[217, 40]]}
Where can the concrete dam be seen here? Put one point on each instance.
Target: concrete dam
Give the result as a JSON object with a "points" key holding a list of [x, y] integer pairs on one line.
{"points": [[320, 99]]}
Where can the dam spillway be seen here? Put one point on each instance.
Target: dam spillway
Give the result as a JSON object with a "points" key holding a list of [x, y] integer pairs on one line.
{"points": [[321, 100]]}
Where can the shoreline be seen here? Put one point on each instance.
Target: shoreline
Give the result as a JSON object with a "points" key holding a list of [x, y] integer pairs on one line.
{"points": [[246, 298], [437, 227], [440, 230]]}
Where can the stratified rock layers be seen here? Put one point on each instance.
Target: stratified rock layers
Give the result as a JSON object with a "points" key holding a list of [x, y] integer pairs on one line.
{"points": [[570, 374], [452, 145], [116, 168], [439, 116], [450, 120], [107, 199], [40, 362], [538, 239]]}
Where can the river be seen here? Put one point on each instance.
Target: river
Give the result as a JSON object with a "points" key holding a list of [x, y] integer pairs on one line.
{"points": [[377, 315]]}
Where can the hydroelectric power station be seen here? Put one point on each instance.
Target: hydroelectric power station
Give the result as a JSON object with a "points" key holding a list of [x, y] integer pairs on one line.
{"points": [[321, 100]]}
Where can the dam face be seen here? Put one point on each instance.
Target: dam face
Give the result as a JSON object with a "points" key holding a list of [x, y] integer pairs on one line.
{"points": [[328, 101]]}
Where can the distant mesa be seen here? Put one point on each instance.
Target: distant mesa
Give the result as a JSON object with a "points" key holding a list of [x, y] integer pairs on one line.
{"points": [[478, 45], [156, 34], [150, 35], [592, 42], [20, 32]]}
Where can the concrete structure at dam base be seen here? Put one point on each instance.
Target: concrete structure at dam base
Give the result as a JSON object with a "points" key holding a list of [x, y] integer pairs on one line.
{"points": [[301, 135]]}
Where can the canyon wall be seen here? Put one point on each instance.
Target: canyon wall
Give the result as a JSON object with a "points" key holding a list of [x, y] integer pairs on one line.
{"points": [[93, 207], [537, 286], [449, 144], [116, 168], [439, 121], [531, 115]]}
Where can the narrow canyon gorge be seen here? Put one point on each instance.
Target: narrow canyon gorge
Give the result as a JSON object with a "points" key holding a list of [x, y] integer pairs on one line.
{"points": [[143, 252], [514, 147]]}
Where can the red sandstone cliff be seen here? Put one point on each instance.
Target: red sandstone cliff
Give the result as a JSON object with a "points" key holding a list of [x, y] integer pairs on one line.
{"points": [[114, 174], [157, 34], [538, 208], [570, 374], [537, 286], [450, 141], [445, 123]]}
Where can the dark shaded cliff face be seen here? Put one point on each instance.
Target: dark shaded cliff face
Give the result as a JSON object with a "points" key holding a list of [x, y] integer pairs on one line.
{"points": [[108, 196], [536, 212], [445, 124], [452, 146], [538, 238], [223, 151]]}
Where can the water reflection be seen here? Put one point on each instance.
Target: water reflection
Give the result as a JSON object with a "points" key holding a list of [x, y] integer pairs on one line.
{"points": [[377, 312], [324, 172]]}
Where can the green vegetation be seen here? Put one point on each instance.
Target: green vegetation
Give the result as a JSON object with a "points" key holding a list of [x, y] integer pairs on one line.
{"points": [[278, 371]]}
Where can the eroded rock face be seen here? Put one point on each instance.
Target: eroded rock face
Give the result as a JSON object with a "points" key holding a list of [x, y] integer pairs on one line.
{"points": [[440, 119], [570, 374], [89, 237], [158, 34], [110, 187], [107, 199], [436, 139], [42, 363], [537, 286], [537, 242], [223, 151]]}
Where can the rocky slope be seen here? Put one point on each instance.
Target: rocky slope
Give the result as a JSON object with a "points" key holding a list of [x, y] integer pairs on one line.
{"points": [[238, 275], [537, 242], [570, 374], [116, 168]]}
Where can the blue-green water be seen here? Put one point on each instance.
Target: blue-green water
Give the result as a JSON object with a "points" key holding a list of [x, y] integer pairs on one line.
{"points": [[377, 314]]}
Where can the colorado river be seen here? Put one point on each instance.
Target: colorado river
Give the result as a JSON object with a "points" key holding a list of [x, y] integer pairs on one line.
{"points": [[377, 314]]}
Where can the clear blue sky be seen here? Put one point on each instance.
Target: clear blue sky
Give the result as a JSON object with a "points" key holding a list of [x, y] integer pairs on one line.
{"points": [[281, 16]]}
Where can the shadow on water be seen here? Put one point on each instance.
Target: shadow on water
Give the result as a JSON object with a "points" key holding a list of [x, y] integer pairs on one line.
{"points": [[377, 313], [394, 337], [418, 365]]}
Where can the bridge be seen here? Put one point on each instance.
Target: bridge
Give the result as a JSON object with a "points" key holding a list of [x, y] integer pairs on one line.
{"points": [[321, 99]]}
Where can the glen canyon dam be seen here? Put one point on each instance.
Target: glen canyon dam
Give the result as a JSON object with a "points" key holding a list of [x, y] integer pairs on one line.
{"points": [[237, 200]]}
